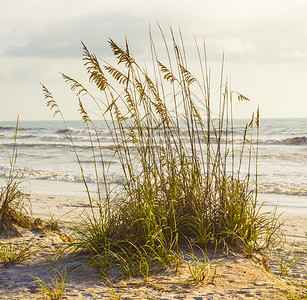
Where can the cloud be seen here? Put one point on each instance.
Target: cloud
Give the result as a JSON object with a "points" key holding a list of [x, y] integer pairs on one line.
{"points": [[63, 40], [259, 32]]}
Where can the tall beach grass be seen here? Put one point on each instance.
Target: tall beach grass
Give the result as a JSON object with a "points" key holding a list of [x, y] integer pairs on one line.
{"points": [[183, 174], [13, 198]]}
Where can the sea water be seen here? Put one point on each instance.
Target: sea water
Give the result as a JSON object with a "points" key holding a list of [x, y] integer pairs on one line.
{"points": [[47, 160]]}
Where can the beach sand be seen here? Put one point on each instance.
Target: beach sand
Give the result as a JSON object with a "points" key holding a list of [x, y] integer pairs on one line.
{"points": [[237, 276]]}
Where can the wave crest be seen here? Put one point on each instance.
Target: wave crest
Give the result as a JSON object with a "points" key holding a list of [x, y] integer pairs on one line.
{"points": [[272, 188]]}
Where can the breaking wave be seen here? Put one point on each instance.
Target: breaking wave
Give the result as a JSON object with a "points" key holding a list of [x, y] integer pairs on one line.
{"points": [[34, 174], [298, 140], [286, 189]]}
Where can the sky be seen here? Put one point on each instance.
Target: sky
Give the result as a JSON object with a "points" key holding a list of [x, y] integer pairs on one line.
{"points": [[264, 41]]}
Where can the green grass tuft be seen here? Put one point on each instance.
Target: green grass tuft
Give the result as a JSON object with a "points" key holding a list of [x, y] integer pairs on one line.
{"points": [[14, 252], [54, 286]]}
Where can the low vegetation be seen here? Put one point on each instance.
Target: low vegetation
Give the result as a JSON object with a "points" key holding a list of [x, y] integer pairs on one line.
{"points": [[296, 289], [185, 181], [13, 199], [54, 286], [201, 270], [12, 252]]}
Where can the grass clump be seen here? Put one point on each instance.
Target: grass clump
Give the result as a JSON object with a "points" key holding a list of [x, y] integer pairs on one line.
{"points": [[296, 289], [52, 224], [201, 270], [14, 252], [54, 286], [13, 198], [182, 172], [286, 260], [114, 293]]}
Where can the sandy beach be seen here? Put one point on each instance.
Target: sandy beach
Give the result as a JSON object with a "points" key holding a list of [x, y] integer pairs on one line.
{"points": [[237, 277]]}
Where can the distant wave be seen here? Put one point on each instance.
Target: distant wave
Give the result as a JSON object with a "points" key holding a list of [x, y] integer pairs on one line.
{"points": [[26, 136], [2, 128], [72, 131], [282, 189], [44, 146], [92, 161], [298, 140], [81, 131], [19, 136], [33, 174], [13, 128], [45, 175], [36, 145], [54, 137], [61, 145], [62, 131]]}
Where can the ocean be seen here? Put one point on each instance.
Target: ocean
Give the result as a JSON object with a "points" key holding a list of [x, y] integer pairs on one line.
{"points": [[49, 166]]}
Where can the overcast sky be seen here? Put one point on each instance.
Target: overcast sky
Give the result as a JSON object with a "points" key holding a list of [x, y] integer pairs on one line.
{"points": [[265, 45]]}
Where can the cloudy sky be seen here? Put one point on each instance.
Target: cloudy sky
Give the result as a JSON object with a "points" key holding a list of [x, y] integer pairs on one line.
{"points": [[265, 45]]}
